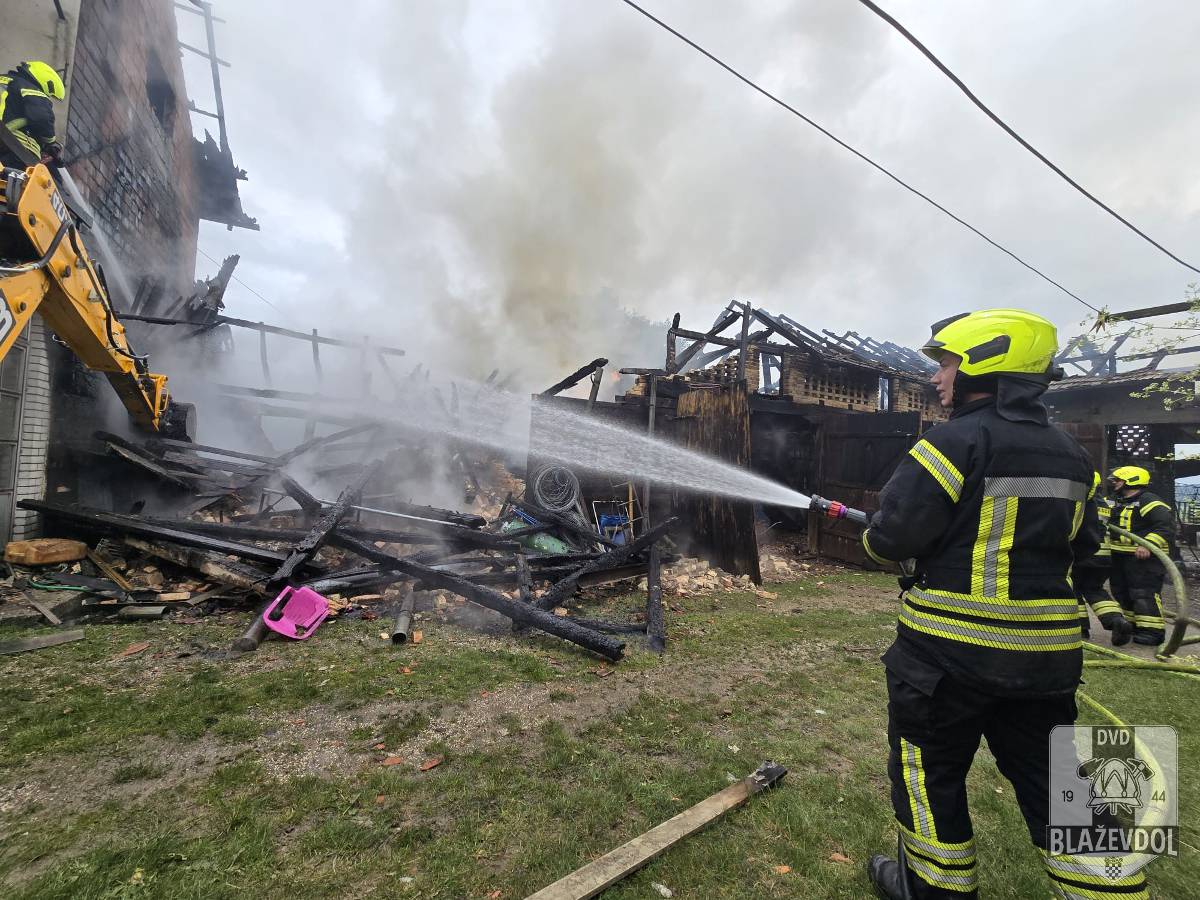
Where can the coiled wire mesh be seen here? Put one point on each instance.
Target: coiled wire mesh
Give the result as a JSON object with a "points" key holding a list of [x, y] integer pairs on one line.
{"points": [[555, 488]]}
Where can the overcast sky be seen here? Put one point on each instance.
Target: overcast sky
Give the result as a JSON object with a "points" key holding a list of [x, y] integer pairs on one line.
{"points": [[494, 171]]}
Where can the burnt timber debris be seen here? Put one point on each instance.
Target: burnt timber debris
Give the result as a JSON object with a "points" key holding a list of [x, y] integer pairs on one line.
{"points": [[262, 530]]}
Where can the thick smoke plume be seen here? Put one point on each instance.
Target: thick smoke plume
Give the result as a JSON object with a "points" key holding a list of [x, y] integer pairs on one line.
{"points": [[492, 184]]}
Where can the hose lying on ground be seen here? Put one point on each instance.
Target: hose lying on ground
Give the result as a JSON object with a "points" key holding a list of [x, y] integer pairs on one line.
{"points": [[1182, 619]]}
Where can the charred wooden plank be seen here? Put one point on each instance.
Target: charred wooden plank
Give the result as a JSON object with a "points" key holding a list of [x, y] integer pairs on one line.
{"points": [[524, 579], [698, 336], [310, 444], [163, 444], [564, 589], [611, 627], [40, 642], [211, 565], [110, 523], [656, 631], [108, 570], [147, 465], [575, 377], [300, 494], [691, 350], [323, 527], [526, 614], [202, 465]]}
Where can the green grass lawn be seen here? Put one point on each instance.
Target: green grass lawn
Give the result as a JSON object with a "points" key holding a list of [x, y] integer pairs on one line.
{"points": [[173, 773]]}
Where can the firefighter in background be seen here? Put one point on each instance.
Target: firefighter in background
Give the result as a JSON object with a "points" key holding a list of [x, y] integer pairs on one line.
{"points": [[1137, 577], [993, 507], [27, 111], [1089, 576]]}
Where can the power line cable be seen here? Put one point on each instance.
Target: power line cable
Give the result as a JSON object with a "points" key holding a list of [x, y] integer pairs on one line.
{"points": [[242, 283], [908, 35], [833, 137]]}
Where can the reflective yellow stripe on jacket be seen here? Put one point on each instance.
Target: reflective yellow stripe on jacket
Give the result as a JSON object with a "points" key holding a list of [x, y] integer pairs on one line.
{"points": [[1038, 625], [936, 463], [17, 126]]}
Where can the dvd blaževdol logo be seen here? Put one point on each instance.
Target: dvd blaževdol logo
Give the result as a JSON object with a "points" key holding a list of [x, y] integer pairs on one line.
{"points": [[1113, 795]]}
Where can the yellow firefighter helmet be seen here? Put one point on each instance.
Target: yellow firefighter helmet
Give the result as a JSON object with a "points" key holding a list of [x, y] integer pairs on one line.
{"points": [[1133, 476], [996, 342], [48, 80]]}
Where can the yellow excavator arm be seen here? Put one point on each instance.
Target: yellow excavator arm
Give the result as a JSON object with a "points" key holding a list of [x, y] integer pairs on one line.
{"points": [[45, 267]]}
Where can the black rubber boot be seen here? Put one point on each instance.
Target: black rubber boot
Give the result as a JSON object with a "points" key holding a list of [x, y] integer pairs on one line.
{"points": [[1120, 628], [890, 878], [1150, 638], [1122, 631], [887, 878]]}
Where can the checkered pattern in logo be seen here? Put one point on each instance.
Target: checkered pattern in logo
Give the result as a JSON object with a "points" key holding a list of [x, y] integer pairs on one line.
{"points": [[1112, 867]]}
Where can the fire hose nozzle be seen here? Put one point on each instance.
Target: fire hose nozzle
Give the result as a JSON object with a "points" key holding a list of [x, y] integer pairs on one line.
{"points": [[835, 510]]}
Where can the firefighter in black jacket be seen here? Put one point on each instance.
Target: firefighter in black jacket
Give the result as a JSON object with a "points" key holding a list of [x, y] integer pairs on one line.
{"points": [[27, 111], [1089, 576], [993, 506], [1137, 577]]}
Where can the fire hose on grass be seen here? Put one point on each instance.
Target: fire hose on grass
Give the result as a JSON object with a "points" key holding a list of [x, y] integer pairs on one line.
{"points": [[1182, 613]]}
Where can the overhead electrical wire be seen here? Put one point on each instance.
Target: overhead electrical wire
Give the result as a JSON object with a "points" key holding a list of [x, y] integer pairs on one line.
{"points": [[833, 137], [928, 54], [242, 283]]}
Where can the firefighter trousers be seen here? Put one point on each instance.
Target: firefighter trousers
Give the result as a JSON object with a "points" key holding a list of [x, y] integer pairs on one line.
{"points": [[1089, 589], [1137, 585], [934, 733]]}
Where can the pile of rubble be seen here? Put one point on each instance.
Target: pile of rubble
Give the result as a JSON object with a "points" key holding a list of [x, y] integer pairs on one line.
{"points": [[254, 536]]}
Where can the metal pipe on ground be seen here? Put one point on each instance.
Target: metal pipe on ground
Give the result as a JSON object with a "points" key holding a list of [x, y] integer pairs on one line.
{"points": [[402, 628]]}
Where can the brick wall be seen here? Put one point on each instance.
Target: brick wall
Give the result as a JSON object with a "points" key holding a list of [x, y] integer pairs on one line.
{"points": [[34, 438], [129, 127], [828, 384]]}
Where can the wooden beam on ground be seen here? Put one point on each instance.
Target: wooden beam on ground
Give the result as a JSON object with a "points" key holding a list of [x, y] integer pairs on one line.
{"points": [[109, 571], [563, 590], [300, 494], [525, 614], [213, 566], [628, 858], [109, 523], [46, 612], [239, 532], [40, 642]]}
